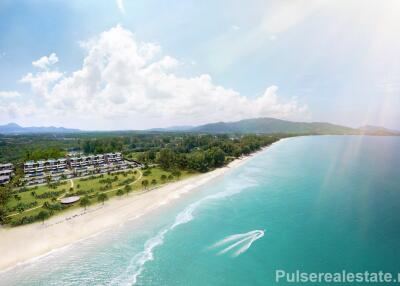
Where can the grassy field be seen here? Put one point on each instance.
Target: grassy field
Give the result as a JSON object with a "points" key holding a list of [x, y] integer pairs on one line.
{"points": [[23, 207]]}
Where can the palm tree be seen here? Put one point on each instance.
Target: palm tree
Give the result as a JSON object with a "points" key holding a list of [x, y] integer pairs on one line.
{"points": [[43, 215], [170, 177], [102, 197], [154, 182], [128, 189], [145, 183], [120, 192], [85, 202], [163, 178]]}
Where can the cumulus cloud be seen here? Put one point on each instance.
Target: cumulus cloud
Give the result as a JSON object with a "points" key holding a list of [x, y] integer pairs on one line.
{"points": [[46, 61], [41, 81], [14, 110], [134, 85]]}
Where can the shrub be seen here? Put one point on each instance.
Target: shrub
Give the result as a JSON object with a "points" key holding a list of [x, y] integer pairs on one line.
{"points": [[48, 195], [54, 207]]}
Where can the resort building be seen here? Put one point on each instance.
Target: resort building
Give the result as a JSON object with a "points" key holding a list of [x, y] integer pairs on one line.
{"points": [[113, 157], [41, 171], [75, 165], [6, 171], [39, 167], [85, 161]]}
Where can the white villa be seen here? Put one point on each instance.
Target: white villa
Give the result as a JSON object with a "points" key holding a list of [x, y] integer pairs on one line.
{"points": [[6, 171], [37, 172], [75, 165]]}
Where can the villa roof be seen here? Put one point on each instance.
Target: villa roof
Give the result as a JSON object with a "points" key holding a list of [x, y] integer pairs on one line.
{"points": [[6, 165], [70, 200]]}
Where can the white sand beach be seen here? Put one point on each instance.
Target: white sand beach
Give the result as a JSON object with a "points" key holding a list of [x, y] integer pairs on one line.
{"points": [[20, 244]]}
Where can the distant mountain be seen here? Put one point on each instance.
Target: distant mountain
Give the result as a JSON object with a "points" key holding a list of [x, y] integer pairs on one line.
{"points": [[377, 130], [173, 128], [13, 128], [257, 125], [272, 125]]}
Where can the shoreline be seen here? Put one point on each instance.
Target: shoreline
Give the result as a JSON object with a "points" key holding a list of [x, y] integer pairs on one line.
{"points": [[23, 244]]}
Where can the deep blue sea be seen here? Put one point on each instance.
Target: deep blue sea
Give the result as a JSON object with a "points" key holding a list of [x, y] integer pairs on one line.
{"points": [[326, 203]]}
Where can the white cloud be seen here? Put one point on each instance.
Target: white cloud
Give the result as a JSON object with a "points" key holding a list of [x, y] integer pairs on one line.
{"points": [[14, 110], [46, 61], [14, 106], [9, 94], [40, 82], [120, 5], [133, 85]]}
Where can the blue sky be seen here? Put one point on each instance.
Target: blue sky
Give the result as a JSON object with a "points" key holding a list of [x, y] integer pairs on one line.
{"points": [[132, 64]]}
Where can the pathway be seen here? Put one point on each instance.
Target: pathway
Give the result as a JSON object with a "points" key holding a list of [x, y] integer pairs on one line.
{"points": [[72, 185]]}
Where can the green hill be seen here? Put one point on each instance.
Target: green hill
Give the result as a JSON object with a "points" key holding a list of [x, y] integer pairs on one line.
{"points": [[272, 125]]}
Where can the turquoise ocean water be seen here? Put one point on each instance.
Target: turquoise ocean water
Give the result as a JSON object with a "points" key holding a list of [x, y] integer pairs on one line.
{"points": [[326, 203]]}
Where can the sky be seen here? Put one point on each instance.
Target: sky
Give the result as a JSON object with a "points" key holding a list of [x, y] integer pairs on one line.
{"points": [[132, 64]]}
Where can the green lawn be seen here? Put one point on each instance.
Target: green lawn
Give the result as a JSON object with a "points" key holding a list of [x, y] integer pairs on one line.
{"points": [[108, 183]]}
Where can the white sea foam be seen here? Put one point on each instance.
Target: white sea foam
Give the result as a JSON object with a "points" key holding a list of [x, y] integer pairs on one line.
{"points": [[245, 240], [136, 265]]}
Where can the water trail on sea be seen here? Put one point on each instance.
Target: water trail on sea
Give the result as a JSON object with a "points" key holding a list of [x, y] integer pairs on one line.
{"points": [[136, 265], [245, 240]]}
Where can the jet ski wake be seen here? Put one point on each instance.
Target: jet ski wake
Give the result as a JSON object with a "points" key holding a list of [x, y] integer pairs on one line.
{"points": [[238, 243]]}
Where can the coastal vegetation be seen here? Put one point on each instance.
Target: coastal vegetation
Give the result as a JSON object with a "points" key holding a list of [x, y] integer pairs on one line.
{"points": [[166, 157], [29, 204]]}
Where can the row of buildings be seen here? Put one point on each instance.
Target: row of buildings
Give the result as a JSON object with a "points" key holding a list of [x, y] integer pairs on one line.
{"points": [[6, 171], [74, 165]]}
